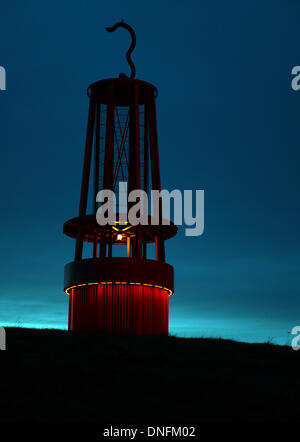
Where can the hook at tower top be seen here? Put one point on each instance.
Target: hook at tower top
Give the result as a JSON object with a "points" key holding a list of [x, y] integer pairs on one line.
{"points": [[131, 48]]}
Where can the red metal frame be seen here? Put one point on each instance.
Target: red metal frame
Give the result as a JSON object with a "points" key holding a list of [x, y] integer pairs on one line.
{"points": [[140, 304]]}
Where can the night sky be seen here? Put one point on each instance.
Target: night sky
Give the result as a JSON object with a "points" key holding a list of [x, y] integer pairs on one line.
{"points": [[228, 123]]}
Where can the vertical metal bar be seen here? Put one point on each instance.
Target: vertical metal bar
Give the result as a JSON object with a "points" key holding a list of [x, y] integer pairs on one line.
{"points": [[70, 311], [128, 246], [136, 116], [96, 171], [144, 244], [97, 156], [103, 244], [155, 170], [146, 149], [87, 159], [110, 245], [146, 171], [137, 137], [95, 251], [156, 247], [132, 158], [85, 176], [108, 175]]}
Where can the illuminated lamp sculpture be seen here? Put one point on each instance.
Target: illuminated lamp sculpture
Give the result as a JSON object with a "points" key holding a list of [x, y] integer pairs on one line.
{"points": [[119, 294]]}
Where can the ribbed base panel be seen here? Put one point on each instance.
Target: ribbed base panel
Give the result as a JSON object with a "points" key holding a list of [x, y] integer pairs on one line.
{"points": [[119, 309]]}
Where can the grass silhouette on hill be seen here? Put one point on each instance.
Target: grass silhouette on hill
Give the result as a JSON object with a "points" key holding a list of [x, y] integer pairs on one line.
{"points": [[57, 376]]}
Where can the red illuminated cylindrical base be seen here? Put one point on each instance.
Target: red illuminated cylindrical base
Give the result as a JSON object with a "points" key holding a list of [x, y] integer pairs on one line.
{"points": [[119, 309]]}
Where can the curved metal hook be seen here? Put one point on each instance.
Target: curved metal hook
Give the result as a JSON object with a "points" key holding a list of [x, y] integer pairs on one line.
{"points": [[131, 48]]}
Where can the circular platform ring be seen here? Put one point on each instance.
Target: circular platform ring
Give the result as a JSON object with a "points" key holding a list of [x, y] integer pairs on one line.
{"points": [[123, 90], [119, 270], [90, 226]]}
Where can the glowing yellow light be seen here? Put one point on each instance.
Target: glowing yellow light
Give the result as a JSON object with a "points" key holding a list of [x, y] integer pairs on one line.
{"points": [[119, 237], [126, 228], [67, 290]]}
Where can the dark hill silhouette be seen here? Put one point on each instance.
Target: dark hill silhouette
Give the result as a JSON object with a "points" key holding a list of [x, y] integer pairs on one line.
{"points": [[56, 376]]}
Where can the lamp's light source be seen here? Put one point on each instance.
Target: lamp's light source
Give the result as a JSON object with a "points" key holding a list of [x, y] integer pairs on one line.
{"points": [[119, 237]]}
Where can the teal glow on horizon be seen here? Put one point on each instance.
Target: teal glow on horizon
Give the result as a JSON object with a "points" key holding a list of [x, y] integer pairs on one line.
{"points": [[250, 330]]}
